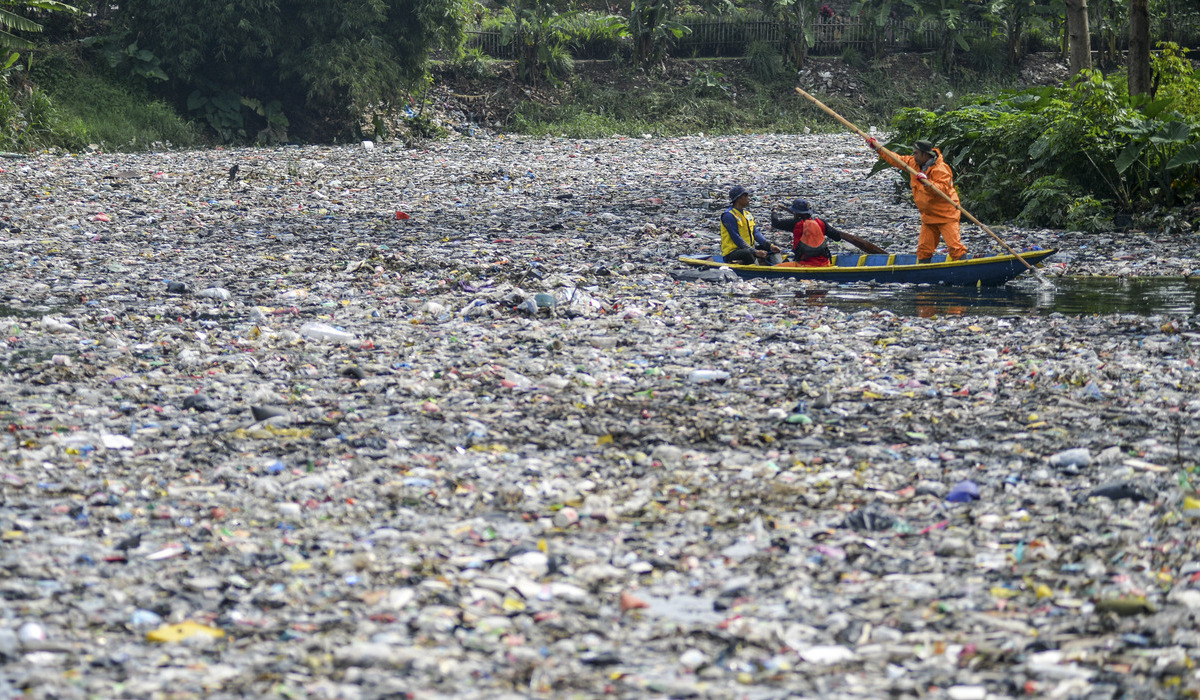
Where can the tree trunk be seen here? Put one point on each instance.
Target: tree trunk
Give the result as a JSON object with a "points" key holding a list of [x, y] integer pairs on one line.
{"points": [[1078, 38], [803, 22], [1139, 47], [1014, 41]]}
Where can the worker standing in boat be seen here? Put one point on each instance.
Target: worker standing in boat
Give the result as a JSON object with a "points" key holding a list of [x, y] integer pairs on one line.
{"points": [[939, 218], [741, 242]]}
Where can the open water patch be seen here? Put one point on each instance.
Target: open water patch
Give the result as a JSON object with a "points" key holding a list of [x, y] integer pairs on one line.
{"points": [[1072, 296], [7, 311]]}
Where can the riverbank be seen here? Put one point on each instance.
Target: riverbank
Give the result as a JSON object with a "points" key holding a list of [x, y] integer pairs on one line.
{"points": [[441, 422]]}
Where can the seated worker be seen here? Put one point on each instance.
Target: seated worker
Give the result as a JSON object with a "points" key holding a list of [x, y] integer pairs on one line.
{"points": [[738, 232], [809, 237], [939, 218]]}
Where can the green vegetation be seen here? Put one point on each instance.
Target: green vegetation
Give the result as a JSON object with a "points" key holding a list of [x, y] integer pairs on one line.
{"points": [[29, 121], [1075, 156], [718, 96], [264, 72], [12, 20], [81, 104]]}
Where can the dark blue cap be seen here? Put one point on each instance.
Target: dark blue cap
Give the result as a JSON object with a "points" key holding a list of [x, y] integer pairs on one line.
{"points": [[800, 207]]}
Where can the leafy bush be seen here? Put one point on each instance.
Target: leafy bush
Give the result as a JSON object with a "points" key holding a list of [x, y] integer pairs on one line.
{"points": [[709, 83], [1089, 214], [475, 64], [124, 55], [557, 61], [326, 63], [598, 36], [764, 62], [1038, 40], [1046, 201], [422, 126], [854, 58], [496, 20], [1177, 79], [1067, 149], [988, 56]]}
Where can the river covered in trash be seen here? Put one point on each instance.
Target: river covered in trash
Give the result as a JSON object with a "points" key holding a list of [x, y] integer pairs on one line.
{"points": [[353, 422]]}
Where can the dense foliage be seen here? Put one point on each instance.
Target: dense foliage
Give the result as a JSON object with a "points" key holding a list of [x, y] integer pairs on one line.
{"points": [[271, 69], [1074, 156]]}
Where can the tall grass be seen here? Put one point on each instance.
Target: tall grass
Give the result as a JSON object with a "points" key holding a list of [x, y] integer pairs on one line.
{"points": [[90, 106]]}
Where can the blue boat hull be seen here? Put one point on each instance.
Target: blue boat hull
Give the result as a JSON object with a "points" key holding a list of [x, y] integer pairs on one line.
{"points": [[989, 271]]}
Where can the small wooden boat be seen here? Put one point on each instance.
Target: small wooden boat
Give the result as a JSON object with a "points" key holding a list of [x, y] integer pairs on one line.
{"points": [[987, 271]]}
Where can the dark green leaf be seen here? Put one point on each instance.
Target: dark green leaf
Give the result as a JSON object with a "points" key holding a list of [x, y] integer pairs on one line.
{"points": [[1155, 108], [1174, 132], [1188, 155], [1129, 156]]}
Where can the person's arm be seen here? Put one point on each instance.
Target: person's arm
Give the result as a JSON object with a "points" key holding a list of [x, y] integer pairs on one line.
{"points": [[729, 221], [942, 178], [831, 232], [763, 240], [896, 161], [758, 237]]}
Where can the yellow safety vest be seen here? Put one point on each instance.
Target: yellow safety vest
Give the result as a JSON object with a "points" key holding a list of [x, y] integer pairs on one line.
{"points": [[745, 229]]}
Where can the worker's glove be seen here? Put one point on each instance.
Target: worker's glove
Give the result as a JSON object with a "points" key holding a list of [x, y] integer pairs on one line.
{"points": [[873, 143], [921, 176]]}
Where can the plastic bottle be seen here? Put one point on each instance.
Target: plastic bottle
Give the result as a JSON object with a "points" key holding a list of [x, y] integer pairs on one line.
{"points": [[1076, 457], [322, 331], [703, 376]]}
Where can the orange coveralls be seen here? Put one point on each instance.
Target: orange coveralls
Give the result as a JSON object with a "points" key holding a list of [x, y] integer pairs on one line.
{"points": [[939, 218]]}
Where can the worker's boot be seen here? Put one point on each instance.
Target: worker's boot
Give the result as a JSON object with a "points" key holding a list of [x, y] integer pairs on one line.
{"points": [[924, 261]]}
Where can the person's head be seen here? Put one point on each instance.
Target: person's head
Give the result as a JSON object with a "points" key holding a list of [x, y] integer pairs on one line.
{"points": [[923, 152], [739, 196], [801, 209]]}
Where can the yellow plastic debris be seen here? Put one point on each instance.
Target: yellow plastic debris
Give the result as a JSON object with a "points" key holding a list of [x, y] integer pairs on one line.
{"points": [[182, 631], [1126, 606], [1191, 507]]}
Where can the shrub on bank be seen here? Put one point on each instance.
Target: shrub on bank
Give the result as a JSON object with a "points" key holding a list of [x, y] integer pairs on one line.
{"points": [[1074, 156], [63, 102]]}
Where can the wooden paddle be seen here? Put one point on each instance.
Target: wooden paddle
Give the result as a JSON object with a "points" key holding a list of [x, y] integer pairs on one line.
{"points": [[1036, 273], [862, 244]]}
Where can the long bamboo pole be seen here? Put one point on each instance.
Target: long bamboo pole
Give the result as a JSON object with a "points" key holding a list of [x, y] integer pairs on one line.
{"points": [[1037, 273]]}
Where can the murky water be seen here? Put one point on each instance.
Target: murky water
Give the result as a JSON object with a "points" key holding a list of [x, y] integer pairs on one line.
{"points": [[1073, 296], [26, 312]]}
